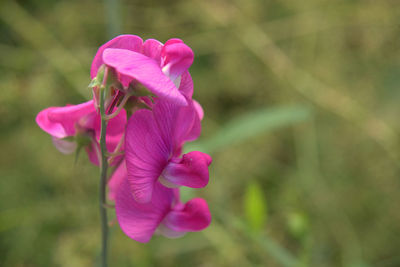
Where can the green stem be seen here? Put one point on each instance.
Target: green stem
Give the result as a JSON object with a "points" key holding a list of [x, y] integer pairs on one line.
{"points": [[103, 179]]}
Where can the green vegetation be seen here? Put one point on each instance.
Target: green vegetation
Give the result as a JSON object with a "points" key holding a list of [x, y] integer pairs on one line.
{"points": [[301, 103]]}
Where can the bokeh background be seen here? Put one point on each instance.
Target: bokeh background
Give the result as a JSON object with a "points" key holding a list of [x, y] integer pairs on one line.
{"points": [[301, 103]]}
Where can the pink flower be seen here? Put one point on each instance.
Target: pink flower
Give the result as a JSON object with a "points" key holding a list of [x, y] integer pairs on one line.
{"points": [[158, 67], [80, 121], [118, 176], [145, 181], [154, 141], [164, 213]]}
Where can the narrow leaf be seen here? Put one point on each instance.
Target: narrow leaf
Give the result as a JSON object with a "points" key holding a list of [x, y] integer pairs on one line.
{"points": [[250, 125]]}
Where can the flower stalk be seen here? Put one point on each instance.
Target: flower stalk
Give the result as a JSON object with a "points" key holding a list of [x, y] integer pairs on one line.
{"points": [[103, 176]]}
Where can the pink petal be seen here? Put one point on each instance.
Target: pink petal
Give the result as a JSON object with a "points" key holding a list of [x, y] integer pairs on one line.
{"points": [[129, 42], [116, 126], [146, 153], [64, 146], [117, 178], [93, 151], [195, 131], [194, 216], [60, 121], [145, 70], [152, 138], [152, 49], [186, 85], [199, 109], [191, 170], [177, 58], [168, 232], [176, 123], [112, 141], [137, 220]]}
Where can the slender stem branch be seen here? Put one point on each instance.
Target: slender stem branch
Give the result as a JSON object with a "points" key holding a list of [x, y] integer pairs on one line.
{"points": [[103, 176], [117, 111]]}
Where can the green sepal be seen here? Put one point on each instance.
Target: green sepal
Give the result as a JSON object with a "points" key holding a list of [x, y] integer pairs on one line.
{"points": [[82, 139], [69, 138], [112, 80], [77, 153], [96, 82], [139, 90]]}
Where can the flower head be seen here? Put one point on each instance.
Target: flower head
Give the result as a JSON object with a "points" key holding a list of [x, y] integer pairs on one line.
{"points": [[156, 66], [147, 148], [80, 122], [164, 213], [154, 141]]}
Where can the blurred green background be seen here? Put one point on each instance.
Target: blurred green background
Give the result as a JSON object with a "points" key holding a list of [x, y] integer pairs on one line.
{"points": [[301, 103]]}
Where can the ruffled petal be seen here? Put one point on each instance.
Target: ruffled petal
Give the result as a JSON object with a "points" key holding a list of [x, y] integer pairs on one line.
{"points": [[186, 85], [60, 121], [152, 49], [194, 216], [177, 57], [117, 178], [195, 131], [146, 154], [145, 70], [137, 220], [176, 123], [127, 41], [199, 109], [191, 170], [153, 138]]}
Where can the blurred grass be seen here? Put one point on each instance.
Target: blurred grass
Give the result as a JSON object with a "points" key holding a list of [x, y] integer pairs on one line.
{"points": [[249, 125], [330, 177]]}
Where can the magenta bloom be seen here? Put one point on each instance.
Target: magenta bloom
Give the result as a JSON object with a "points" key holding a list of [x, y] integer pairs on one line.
{"points": [[154, 141], [119, 175], [80, 120], [158, 67], [164, 213], [146, 150]]}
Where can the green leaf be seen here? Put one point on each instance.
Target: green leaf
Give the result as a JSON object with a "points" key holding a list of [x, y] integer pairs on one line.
{"points": [[255, 207], [252, 124]]}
